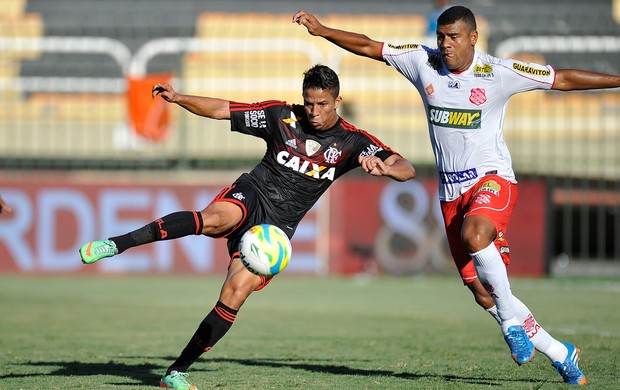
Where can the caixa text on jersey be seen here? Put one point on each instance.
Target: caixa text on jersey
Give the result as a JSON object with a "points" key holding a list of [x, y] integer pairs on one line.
{"points": [[306, 167]]}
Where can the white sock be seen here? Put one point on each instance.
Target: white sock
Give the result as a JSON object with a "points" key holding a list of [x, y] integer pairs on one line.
{"points": [[555, 350], [543, 342], [493, 312], [492, 273]]}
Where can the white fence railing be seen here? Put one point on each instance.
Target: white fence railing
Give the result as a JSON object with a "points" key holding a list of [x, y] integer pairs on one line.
{"points": [[135, 64]]}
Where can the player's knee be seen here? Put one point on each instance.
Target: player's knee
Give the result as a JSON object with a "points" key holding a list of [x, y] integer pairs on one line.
{"points": [[477, 236], [238, 287], [234, 295], [475, 242]]}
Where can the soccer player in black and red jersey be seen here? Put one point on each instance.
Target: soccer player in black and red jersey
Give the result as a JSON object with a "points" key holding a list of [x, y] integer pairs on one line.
{"points": [[308, 147]]}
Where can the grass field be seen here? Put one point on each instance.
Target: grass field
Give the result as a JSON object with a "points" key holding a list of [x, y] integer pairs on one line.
{"points": [[304, 333]]}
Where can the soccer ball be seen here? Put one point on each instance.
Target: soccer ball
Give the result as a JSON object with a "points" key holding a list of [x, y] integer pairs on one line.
{"points": [[265, 250]]}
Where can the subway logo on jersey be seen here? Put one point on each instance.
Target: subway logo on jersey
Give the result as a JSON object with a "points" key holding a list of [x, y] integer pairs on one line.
{"points": [[455, 118], [306, 167]]}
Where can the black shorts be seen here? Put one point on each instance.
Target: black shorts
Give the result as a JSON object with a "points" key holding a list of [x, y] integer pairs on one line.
{"points": [[243, 193]]}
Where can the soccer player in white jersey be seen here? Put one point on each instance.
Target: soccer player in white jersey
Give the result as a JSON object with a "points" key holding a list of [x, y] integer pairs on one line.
{"points": [[465, 93]]}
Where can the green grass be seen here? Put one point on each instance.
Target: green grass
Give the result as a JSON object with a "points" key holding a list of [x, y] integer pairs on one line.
{"points": [[304, 333]]}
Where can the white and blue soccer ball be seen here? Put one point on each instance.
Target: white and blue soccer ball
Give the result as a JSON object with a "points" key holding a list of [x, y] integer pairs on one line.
{"points": [[265, 250]]}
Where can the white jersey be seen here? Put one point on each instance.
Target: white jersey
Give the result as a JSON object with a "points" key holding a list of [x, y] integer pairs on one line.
{"points": [[465, 111]]}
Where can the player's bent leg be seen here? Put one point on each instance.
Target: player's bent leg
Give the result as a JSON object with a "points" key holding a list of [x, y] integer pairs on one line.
{"points": [[516, 338], [493, 276], [239, 284], [169, 227]]}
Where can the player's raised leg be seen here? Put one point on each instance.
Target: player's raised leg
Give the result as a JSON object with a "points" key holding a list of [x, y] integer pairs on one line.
{"points": [[175, 225], [479, 233]]}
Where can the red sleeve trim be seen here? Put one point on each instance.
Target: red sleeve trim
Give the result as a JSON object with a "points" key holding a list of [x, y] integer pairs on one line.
{"points": [[237, 106]]}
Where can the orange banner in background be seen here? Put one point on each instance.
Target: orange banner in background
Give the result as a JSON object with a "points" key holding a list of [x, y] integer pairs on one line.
{"points": [[148, 117]]}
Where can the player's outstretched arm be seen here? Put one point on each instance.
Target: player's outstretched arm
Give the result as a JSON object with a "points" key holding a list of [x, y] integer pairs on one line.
{"points": [[355, 43], [395, 167], [575, 79], [213, 108]]}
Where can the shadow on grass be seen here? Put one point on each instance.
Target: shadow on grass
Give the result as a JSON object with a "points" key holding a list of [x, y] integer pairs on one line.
{"points": [[143, 373], [344, 370], [140, 374]]}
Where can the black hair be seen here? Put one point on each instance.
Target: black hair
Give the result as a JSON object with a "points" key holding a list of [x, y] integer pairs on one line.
{"points": [[322, 77], [456, 13]]}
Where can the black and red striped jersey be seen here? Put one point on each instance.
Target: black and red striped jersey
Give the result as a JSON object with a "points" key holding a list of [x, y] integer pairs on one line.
{"points": [[300, 163]]}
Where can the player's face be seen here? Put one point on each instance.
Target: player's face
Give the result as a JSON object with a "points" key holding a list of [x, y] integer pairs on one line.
{"points": [[321, 106], [456, 43]]}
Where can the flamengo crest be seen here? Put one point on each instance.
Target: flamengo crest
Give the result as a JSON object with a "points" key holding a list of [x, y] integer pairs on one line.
{"points": [[331, 155]]}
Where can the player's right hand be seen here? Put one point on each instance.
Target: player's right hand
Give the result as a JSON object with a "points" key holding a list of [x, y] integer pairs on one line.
{"points": [[309, 21]]}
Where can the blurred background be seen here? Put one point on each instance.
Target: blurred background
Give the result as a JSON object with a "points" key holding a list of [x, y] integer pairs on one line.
{"points": [[86, 154]]}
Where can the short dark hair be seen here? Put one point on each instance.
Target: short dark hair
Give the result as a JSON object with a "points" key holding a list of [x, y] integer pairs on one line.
{"points": [[322, 77], [456, 13]]}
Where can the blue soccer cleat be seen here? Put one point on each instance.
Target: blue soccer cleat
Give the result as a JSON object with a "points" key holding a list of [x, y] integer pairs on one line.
{"points": [[521, 348], [569, 369]]}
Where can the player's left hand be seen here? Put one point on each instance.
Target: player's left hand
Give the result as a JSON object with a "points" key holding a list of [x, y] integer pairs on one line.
{"points": [[373, 165]]}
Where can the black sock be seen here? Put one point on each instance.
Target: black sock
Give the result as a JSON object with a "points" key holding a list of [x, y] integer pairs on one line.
{"points": [[211, 330], [175, 225]]}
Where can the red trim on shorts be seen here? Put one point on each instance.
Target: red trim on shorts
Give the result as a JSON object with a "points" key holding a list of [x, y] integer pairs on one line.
{"points": [[223, 192], [244, 211], [555, 76]]}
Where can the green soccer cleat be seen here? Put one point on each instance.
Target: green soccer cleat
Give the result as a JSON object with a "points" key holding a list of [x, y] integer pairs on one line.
{"points": [[96, 250], [176, 380]]}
